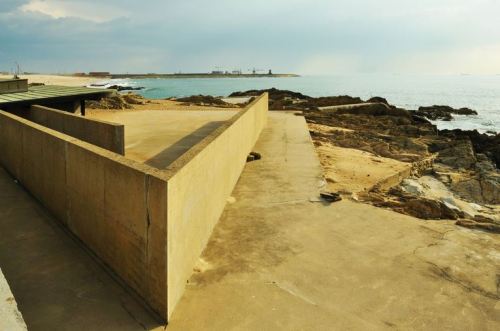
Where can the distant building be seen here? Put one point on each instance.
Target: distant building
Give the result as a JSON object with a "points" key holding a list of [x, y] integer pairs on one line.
{"points": [[99, 73], [217, 72], [270, 72]]}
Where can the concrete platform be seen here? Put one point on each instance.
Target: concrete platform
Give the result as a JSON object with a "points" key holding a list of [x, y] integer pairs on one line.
{"points": [[278, 261], [157, 137], [10, 317], [56, 283]]}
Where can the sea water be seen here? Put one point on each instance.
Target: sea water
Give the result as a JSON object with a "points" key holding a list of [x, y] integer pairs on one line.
{"points": [[481, 93]]}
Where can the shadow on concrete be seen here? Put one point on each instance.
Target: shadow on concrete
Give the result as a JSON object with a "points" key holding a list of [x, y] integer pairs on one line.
{"points": [[173, 152], [57, 284]]}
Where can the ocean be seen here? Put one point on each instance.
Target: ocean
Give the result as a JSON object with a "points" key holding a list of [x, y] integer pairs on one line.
{"points": [[481, 93]]}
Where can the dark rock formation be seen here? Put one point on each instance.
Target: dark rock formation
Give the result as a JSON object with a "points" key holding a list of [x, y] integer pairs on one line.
{"points": [[115, 101], [274, 94], [205, 100], [378, 100], [375, 109], [120, 88], [443, 113], [482, 143], [418, 207], [457, 154]]}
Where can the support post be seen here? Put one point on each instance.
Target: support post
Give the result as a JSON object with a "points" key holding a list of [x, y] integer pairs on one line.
{"points": [[82, 107]]}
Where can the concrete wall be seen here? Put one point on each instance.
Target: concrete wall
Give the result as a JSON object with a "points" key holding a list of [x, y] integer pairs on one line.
{"points": [[199, 184], [110, 136], [116, 206], [149, 226]]}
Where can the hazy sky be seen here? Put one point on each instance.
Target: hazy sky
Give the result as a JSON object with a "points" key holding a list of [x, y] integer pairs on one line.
{"points": [[301, 36]]}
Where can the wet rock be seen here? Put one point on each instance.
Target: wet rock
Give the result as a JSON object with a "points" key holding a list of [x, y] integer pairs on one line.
{"points": [[443, 113]]}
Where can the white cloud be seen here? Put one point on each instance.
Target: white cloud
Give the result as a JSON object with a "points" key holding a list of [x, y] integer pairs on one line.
{"points": [[90, 11]]}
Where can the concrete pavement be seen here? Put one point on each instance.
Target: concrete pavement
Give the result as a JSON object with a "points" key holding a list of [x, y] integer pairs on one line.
{"points": [[278, 261], [157, 137]]}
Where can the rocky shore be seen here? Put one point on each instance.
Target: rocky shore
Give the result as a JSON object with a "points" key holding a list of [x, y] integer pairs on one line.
{"points": [[451, 175]]}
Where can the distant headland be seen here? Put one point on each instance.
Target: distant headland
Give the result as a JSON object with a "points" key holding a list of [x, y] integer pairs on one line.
{"points": [[214, 74]]}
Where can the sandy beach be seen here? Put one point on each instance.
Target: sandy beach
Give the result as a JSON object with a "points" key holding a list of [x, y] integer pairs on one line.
{"points": [[56, 79]]}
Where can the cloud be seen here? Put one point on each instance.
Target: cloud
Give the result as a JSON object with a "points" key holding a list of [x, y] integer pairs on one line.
{"points": [[9, 5], [305, 36], [87, 10]]}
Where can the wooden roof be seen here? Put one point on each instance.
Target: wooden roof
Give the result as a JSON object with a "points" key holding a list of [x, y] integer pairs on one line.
{"points": [[51, 93]]}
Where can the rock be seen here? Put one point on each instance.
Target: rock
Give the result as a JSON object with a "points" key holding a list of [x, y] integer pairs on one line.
{"points": [[378, 100], [375, 109], [115, 101], [205, 100], [484, 188], [125, 88], [458, 154], [412, 187], [430, 209], [464, 111], [443, 113], [488, 145], [274, 94], [490, 227], [134, 99]]}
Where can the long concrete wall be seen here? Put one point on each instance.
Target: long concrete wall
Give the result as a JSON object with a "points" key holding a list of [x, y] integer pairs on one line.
{"points": [[150, 226], [110, 136], [117, 207], [199, 184]]}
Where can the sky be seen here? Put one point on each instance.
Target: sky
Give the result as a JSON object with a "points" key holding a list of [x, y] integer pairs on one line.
{"points": [[294, 36]]}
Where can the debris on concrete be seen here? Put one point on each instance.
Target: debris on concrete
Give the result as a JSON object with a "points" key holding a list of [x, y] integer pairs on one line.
{"points": [[330, 197], [253, 156]]}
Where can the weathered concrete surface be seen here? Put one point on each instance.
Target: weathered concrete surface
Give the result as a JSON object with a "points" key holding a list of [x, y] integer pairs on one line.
{"points": [[199, 184], [107, 135], [277, 261], [157, 137], [116, 206], [10, 317], [56, 283]]}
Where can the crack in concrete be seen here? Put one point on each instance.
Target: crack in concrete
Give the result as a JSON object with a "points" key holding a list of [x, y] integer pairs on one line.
{"points": [[293, 292], [445, 274]]}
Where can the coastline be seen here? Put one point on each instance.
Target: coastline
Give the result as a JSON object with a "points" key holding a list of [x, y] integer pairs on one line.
{"points": [[198, 75], [56, 79]]}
